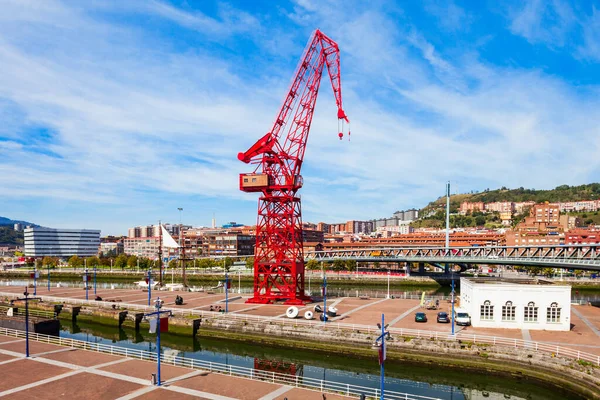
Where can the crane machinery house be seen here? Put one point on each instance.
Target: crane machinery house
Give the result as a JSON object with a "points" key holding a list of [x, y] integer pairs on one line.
{"points": [[516, 303]]}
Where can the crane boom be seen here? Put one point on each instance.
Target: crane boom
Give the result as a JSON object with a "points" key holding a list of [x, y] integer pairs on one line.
{"points": [[278, 156]]}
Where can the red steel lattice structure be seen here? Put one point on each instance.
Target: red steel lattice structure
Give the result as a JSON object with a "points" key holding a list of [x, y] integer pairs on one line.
{"points": [[278, 156]]}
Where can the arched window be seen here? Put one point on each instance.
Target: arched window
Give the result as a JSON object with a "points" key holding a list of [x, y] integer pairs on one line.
{"points": [[487, 311], [553, 313], [531, 312], [508, 311]]}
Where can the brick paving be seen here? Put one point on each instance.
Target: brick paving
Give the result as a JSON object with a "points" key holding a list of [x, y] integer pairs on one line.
{"points": [[76, 373]]}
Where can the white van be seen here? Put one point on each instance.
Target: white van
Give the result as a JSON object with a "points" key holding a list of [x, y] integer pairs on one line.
{"points": [[461, 317]]}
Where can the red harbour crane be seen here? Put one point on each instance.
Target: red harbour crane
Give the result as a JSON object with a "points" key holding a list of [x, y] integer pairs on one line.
{"points": [[278, 156]]}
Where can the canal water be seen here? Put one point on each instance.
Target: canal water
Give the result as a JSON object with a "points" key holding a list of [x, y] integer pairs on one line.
{"points": [[425, 380]]}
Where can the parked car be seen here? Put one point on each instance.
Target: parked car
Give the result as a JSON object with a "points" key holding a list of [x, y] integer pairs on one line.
{"points": [[420, 317], [443, 318], [461, 317]]}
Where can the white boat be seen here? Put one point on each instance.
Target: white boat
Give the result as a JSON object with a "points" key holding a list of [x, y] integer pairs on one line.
{"points": [[144, 284], [174, 286]]}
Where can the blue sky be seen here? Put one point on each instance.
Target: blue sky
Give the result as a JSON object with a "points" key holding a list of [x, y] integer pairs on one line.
{"points": [[113, 114]]}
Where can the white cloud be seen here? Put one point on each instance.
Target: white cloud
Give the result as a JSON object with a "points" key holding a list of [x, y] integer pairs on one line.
{"points": [[547, 22], [130, 113]]}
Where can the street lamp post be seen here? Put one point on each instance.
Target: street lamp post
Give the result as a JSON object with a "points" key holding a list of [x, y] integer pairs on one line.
{"points": [[388, 292], [149, 285], [48, 277], [86, 279], [35, 274], [324, 297], [226, 293], [157, 313], [382, 356], [453, 302], [27, 299], [111, 265]]}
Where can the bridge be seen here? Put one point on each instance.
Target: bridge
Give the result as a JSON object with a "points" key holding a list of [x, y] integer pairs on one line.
{"points": [[585, 257]]}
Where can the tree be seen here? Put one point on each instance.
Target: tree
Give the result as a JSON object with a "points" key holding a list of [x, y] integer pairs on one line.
{"points": [[38, 263], [480, 220], [173, 263], [312, 265], [49, 262], [250, 263], [121, 261], [351, 265], [92, 262], [338, 265], [132, 262], [227, 263], [75, 262], [548, 272], [206, 263]]}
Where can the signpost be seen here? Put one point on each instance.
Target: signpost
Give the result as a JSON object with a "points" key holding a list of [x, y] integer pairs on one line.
{"points": [[149, 281], [382, 338], [86, 279], [158, 327], [27, 299], [324, 297], [226, 293], [35, 276]]}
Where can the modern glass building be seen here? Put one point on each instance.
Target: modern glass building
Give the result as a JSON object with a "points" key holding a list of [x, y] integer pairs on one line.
{"points": [[40, 242]]}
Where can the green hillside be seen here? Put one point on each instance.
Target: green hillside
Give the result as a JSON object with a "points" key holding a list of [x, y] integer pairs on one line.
{"points": [[8, 236], [559, 194], [433, 215]]}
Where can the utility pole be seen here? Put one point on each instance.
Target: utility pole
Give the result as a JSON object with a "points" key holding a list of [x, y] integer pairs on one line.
{"points": [[448, 246], [160, 260], [182, 249]]}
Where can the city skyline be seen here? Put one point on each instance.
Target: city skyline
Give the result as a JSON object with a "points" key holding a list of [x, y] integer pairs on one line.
{"points": [[126, 112]]}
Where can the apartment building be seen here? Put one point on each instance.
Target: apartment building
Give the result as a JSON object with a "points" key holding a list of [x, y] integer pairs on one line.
{"points": [[470, 207]]}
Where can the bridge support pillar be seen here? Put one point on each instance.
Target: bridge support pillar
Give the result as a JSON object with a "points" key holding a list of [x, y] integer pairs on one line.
{"points": [[421, 268], [446, 269]]}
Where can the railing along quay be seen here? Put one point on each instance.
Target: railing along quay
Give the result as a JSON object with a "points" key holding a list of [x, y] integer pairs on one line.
{"points": [[314, 324], [231, 370]]}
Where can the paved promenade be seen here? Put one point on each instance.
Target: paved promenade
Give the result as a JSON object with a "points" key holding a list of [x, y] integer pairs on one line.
{"points": [[399, 313], [55, 371]]}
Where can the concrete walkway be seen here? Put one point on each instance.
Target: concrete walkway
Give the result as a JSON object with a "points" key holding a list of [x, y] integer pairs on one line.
{"points": [[405, 314], [526, 336], [357, 309], [585, 321]]}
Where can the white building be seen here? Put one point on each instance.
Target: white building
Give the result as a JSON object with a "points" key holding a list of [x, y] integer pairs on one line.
{"points": [[40, 242], [516, 303]]}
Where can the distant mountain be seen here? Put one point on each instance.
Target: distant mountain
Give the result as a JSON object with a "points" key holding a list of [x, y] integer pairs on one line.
{"points": [[7, 221]]}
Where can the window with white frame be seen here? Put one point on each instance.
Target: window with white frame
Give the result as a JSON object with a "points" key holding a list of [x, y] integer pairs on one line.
{"points": [[508, 312], [531, 312], [553, 313], [487, 311]]}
